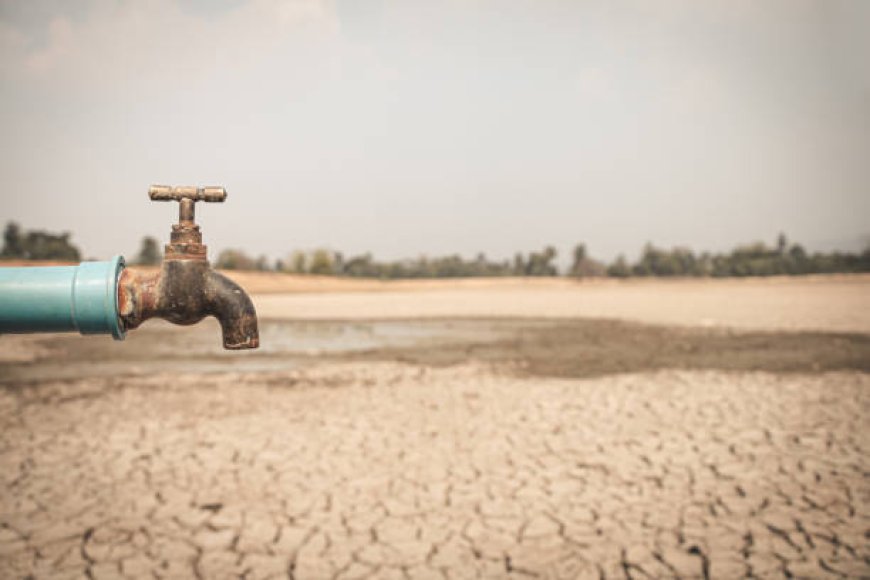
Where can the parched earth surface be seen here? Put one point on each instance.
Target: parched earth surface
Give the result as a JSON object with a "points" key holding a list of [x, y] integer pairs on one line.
{"points": [[404, 470]]}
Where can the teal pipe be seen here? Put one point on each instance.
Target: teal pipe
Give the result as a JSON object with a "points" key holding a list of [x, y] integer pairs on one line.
{"points": [[81, 298]]}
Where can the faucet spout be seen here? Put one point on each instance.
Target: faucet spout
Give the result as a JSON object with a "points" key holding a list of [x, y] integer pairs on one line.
{"points": [[234, 310]]}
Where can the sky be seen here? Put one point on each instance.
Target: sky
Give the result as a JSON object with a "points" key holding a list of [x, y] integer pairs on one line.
{"points": [[421, 127]]}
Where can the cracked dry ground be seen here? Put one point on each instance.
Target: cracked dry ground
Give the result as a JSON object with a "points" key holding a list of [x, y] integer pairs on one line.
{"points": [[386, 470]]}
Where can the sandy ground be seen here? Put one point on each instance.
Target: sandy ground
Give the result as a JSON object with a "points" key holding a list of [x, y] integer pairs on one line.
{"points": [[539, 448], [836, 303]]}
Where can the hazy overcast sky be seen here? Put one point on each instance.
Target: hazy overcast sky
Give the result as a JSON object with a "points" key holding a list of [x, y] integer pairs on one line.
{"points": [[406, 127]]}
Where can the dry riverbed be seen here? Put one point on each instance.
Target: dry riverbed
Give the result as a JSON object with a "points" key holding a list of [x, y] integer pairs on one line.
{"points": [[443, 448]]}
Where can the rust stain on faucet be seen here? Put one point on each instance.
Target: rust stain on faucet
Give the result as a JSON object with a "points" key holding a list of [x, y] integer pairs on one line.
{"points": [[185, 289]]}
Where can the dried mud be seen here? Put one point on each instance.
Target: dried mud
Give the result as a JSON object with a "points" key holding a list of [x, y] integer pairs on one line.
{"points": [[437, 449], [389, 470]]}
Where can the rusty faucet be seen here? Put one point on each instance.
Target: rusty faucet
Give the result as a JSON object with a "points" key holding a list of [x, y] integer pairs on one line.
{"points": [[186, 289]]}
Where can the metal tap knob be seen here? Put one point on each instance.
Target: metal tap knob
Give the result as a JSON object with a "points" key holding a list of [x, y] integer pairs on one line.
{"points": [[186, 196], [180, 192]]}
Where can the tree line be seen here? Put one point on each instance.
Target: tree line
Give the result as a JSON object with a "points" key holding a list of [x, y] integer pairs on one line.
{"points": [[756, 259], [37, 245], [328, 263]]}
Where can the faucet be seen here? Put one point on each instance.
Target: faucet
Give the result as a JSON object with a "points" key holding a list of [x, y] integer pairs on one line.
{"points": [[185, 289], [108, 298]]}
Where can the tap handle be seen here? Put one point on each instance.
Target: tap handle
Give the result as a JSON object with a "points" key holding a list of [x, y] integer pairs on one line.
{"points": [[182, 192], [186, 196]]}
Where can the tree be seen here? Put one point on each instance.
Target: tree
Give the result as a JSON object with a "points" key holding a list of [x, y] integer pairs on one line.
{"points": [[579, 258], [321, 262], [231, 259], [541, 263], [46, 246], [798, 261], [38, 245], [619, 268], [659, 262], [298, 262], [12, 242], [519, 267], [361, 266], [149, 252], [584, 266], [781, 244]]}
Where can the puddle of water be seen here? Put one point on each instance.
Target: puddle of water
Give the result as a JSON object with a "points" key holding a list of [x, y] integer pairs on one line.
{"points": [[346, 337], [159, 347]]}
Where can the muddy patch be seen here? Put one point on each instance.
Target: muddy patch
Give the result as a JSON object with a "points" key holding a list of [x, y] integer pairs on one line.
{"points": [[587, 348], [565, 348]]}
